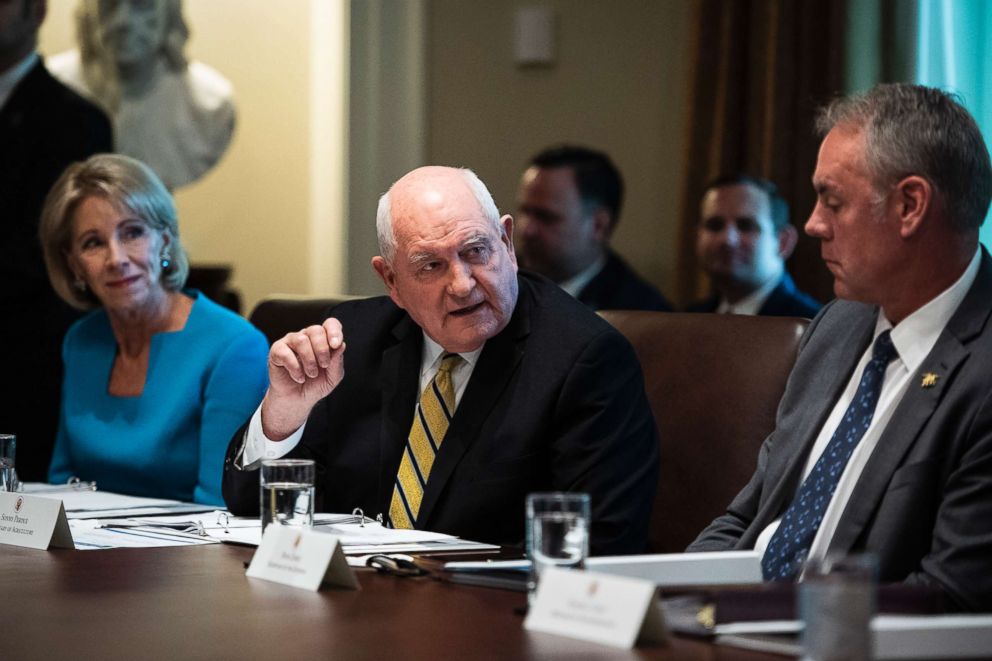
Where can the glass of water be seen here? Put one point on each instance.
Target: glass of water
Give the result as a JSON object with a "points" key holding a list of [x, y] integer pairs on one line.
{"points": [[836, 604], [557, 532], [8, 451], [287, 492]]}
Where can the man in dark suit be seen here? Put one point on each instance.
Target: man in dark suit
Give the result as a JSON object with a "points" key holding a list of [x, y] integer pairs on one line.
{"points": [[742, 241], [43, 128], [537, 393], [569, 204], [883, 441]]}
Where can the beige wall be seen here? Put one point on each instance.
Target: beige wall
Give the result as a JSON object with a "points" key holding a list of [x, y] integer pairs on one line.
{"points": [[273, 207], [619, 85]]}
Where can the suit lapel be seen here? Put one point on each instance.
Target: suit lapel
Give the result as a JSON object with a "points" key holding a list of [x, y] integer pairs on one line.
{"points": [[823, 388], [399, 375], [916, 407], [497, 363], [779, 298]]}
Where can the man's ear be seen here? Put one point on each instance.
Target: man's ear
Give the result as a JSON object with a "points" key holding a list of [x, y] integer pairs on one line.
{"points": [[602, 224], [912, 199], [385, 271], [507, 237], [787, 238]]}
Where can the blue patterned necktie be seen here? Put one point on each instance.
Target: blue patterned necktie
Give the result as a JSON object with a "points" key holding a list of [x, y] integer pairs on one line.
{"points": [[790, 544]]}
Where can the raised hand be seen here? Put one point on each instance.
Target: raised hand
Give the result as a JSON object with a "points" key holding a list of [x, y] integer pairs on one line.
{"points": [[304, 367]]}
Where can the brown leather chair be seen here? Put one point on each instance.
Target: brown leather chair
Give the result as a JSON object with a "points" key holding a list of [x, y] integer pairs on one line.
{"points": [[284, 313], [714, 383]]}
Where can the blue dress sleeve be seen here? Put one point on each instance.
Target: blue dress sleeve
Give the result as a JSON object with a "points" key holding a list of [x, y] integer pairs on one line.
{"points": [[60, 469], [233, 392]]}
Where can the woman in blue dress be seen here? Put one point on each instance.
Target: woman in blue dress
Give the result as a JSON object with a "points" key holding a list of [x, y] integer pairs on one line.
{"points": [[157, 377]]}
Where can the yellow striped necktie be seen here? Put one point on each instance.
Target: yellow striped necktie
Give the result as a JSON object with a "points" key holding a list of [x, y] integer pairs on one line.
{"points": [[430, 423]]}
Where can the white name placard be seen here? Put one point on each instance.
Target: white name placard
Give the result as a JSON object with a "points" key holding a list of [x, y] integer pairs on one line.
{"points": [[611, 610], [301, 558], [33, 522]]}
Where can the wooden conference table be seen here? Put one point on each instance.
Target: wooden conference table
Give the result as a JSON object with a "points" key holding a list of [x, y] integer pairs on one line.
{"points": [[196, 603]]}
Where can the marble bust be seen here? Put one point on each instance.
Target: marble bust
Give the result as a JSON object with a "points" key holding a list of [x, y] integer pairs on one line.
{"points": [[175, 115]]}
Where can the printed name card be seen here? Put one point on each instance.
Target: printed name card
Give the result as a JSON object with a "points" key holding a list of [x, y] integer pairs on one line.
{"points": [[33, 522], [611, 610], [301, 558]]}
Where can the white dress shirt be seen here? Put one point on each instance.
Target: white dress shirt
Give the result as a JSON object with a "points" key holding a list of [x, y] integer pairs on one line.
{"points": [[751, 303], [913, 337], [258, 446], [574, 285], [14, 75]]}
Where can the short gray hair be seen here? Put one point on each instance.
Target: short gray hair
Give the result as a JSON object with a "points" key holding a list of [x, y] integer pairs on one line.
{"points": [[923, 131], [124, 182], [384, 213]]}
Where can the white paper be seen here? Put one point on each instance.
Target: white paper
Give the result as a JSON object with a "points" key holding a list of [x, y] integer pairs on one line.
{"points": [[353, 534], [684, 569], [487, 565], [88, 536], [932, 636], [895, 636], [75, 500]]}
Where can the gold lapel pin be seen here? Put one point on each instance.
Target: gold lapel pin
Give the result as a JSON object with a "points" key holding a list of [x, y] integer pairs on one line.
{"points": [[929, 380]]}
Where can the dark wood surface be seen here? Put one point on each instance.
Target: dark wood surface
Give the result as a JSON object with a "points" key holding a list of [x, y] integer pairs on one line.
{"points": [[196, 603]]}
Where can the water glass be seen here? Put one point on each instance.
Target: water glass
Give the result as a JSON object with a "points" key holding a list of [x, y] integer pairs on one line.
{"points": [[287, 492], [557, 532], [836, 604], [8, 451]]}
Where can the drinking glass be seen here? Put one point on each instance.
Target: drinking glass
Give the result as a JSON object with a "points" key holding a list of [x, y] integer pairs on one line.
{"points": [[8, 451], [557, 533], [836, 604], [287, 492]]}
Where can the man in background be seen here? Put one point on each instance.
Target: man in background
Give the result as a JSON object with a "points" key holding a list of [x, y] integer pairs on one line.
{"points": [[569, 204], [43, 128], [883, 438], [742, 241]]}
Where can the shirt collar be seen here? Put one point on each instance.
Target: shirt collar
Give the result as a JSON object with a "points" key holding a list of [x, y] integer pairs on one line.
{"points": [[433, 352], [577, 283], [12, 76], [916, 335], [751, 303]]}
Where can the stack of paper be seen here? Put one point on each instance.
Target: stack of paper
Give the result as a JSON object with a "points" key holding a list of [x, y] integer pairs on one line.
{"points": [[356, 538], [684, 569], [87, 504], [895, 636]]}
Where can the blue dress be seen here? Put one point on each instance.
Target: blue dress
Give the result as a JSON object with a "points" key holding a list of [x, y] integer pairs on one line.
{"points": [[203, 382]]}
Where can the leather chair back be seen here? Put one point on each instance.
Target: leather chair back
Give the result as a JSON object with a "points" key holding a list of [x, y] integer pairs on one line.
{"points": [[284, 313], [714, 383]]}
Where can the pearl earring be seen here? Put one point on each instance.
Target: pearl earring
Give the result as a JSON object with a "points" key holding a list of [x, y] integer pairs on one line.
{"points": [[165, 260]]}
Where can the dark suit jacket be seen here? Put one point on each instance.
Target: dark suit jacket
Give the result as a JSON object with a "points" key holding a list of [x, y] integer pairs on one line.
{"points": [[786, 300], [618, 287], [556, 402], [44, 127], [923, 504]]}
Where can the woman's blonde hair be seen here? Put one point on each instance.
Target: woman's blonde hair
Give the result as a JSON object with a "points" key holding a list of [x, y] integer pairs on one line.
{"points": [[125, 183]]}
